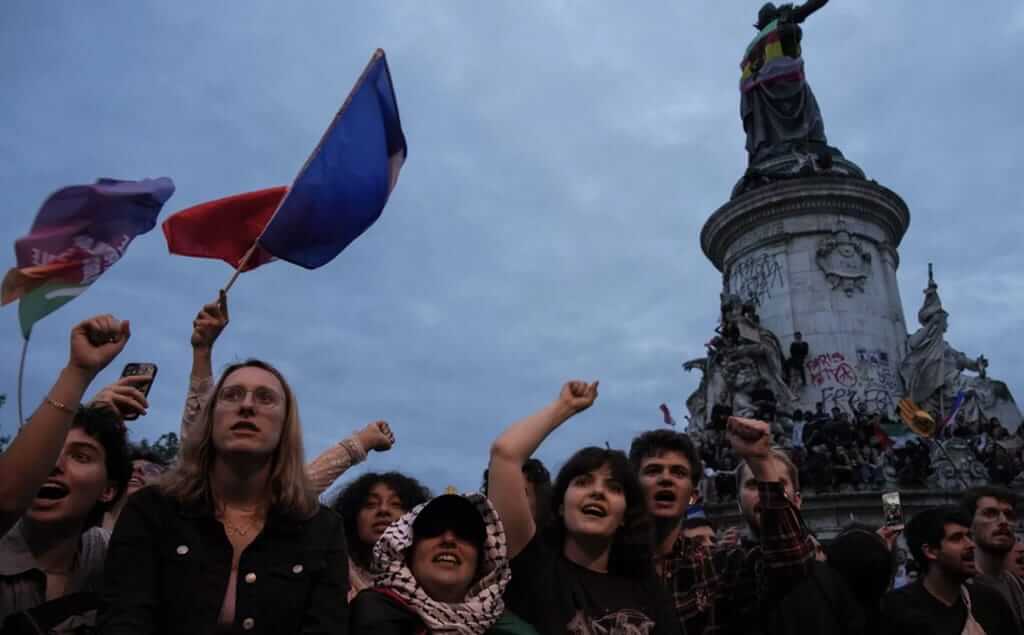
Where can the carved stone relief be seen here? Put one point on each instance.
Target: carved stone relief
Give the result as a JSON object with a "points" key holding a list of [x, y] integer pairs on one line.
{"points": [[843, 260]]}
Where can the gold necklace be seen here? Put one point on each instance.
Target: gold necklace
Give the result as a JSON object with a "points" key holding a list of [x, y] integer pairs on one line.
{"points": [[256, 518]]}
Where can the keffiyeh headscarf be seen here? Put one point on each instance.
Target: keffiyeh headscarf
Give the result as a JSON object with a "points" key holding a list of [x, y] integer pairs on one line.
{"points": [[483, 604]]}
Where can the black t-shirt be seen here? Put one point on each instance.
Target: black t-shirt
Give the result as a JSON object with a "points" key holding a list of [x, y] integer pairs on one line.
{"points": [[798, 351], [374, 612], [913, 609], [559, 597]]}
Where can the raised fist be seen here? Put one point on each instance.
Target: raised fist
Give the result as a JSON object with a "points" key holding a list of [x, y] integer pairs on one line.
{"points": [[578, 395], [376, 436], [97, 341], [209, 322], [750, 438]]}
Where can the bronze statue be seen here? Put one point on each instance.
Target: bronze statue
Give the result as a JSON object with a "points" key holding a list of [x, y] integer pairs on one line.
{"points": [[780, 114]]}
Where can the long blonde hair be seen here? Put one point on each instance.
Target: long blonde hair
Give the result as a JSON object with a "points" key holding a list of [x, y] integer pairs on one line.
{"points": [[291, 491]]}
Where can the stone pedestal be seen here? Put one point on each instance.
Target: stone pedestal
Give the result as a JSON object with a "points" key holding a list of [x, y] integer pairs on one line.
{"points": [[819, 255]]}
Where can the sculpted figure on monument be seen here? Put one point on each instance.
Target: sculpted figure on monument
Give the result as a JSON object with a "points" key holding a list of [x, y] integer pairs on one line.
{"points": [[931, 367], [779, 111], [741, 359], [784, 127]]}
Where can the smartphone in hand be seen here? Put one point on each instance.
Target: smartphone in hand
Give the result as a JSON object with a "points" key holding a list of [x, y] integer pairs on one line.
{"points": [[136, 369], [892, 510]]}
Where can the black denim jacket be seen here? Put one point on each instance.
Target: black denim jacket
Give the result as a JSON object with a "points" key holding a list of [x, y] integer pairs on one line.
{"points": [[168, 567]]}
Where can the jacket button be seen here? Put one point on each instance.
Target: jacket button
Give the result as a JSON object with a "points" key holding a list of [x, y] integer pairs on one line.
{"points": [[297, 568], [182, 550], [250, 578], [248, 623]]}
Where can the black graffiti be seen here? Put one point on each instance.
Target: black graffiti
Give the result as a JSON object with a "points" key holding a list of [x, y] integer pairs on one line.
{"points": [[875, 400], [755, 278]]}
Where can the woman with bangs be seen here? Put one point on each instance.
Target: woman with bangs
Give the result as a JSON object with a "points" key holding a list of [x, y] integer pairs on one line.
{"points": [[591, 571], [233, 538]]}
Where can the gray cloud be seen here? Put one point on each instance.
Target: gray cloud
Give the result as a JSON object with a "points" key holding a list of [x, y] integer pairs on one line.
{"points": [[563, 158]]}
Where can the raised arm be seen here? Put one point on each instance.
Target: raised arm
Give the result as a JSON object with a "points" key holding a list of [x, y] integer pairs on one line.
{"points": [[801, 12], [337, 459], [324, 469], [785, 544], [33, 453], [506, 485], [207, 326]]}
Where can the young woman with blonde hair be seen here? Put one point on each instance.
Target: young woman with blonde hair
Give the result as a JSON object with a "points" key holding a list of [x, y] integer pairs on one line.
{"points": [[233, 537]]}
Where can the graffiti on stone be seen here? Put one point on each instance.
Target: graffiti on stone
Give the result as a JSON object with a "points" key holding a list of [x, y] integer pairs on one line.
{"points": [[754, 279], [875, 370], [831, 368], [874, 399]]}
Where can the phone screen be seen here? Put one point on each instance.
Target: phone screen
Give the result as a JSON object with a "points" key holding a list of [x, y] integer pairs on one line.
{"points": [[892, 510]]}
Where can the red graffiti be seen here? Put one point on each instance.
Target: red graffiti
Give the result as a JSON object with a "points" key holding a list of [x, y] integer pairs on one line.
{"points": [[831, 367]]}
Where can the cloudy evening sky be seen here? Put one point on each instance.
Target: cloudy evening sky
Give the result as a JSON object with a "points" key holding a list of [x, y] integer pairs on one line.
{"points": [[563, 157]]}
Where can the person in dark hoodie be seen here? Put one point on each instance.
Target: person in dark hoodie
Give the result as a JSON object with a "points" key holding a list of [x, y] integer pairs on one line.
{"points": [[843, 592]]}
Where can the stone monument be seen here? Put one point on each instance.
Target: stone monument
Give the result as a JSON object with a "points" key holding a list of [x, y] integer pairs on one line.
{"points": [[806, 244]]}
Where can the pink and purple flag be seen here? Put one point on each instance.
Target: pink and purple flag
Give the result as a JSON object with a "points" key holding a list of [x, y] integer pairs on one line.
{"points": [[340, 191], [79, 232]]}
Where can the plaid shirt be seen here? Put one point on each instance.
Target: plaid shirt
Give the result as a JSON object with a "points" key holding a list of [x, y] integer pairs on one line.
{"points": [[729, 589]]}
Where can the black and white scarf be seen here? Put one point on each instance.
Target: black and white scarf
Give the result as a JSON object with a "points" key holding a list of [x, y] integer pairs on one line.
{"points": [[483, 604]]}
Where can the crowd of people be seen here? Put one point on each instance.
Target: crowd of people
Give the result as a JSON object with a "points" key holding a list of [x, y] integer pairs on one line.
{"points": [[849, 450], [232, 535]]}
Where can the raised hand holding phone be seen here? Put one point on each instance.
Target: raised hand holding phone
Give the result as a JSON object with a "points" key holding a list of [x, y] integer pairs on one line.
{"points": [[127, 396]]}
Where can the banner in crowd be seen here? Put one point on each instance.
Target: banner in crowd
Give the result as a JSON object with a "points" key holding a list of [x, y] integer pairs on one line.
{"points": [[340, 191], [79, 232]]}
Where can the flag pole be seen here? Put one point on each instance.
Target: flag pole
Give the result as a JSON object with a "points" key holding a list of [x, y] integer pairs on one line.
{"points": [[21, 376], [241, 265], [956, 470]]}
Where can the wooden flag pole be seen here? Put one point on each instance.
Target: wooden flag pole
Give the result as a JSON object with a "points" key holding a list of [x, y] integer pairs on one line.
{"points": [[241, 265]]}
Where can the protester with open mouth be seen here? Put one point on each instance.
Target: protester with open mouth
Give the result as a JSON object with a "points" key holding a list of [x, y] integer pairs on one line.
{"points": [[441, 568], [592, 569], [731, 587], [25, 465], [993, 511], [368, 506], [233, 537], [325, 468], [76, 460], [940, 602]]}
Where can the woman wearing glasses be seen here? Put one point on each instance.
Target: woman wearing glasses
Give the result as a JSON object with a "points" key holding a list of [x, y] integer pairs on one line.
{"points": [[325, 468], [147, 468], [233, 538]]}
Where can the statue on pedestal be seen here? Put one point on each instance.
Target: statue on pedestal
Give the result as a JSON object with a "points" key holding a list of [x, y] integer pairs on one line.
{"points": [[784, 127], [932, 371]]}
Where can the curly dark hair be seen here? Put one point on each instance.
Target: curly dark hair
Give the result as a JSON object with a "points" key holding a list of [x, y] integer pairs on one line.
{"points": [[632, 546], [410, 491], [654, 442], [105, 426]]}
